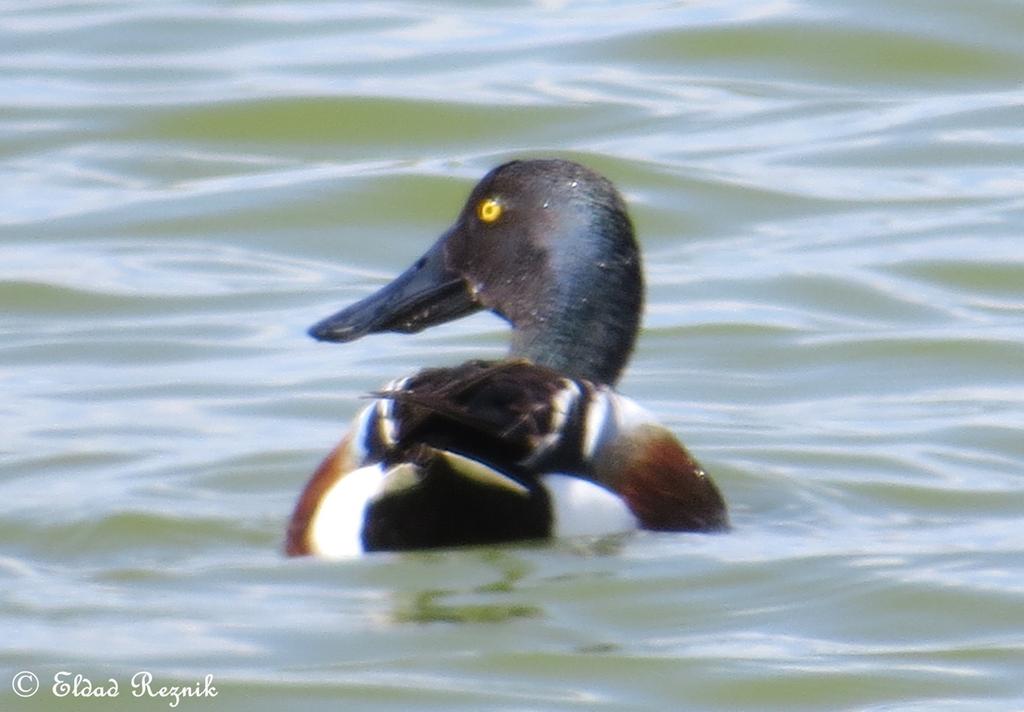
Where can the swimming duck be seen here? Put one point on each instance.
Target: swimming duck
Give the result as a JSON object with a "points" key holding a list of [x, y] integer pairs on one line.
{"points": [[536, 445]]}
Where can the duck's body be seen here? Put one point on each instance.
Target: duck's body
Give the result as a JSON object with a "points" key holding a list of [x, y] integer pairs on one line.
{"points": [[534, 446]]}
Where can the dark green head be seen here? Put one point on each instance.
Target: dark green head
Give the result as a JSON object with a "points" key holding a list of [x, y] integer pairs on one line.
{"points": [[547, 245]]}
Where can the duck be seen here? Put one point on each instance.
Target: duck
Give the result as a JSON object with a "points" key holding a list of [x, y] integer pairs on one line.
{"points": [[536, 445]]}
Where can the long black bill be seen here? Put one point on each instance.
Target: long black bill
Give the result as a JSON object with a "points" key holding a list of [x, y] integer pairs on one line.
{"points": [[426, 294]]}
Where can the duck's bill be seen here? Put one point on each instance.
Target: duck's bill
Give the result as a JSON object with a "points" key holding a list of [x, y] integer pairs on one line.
{"points": [[426, 294]]}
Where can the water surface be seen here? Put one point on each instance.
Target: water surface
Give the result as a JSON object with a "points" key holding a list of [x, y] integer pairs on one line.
{"points": [[830, 200]]}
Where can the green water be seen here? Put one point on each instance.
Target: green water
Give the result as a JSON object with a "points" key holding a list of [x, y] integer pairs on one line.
{"points": [[830, 197]]}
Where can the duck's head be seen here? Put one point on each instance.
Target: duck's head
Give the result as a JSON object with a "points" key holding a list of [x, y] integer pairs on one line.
{"points": [[545, 244]]}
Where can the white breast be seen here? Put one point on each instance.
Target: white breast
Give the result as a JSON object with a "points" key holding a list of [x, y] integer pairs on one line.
{"points": [[582, 508], [335, 530]]}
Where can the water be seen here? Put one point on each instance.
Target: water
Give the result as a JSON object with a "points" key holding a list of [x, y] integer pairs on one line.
{"points": [[830, 203]]}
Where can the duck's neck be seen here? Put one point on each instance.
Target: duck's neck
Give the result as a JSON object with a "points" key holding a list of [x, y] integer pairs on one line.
{"points": [[589, 324]]}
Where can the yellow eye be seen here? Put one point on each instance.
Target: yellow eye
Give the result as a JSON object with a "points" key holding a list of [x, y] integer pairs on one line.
{"points": [[488, 210]]}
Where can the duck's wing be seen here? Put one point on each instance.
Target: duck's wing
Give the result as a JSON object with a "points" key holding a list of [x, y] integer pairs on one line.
{"points": [[526, 420], [498, 451], [508, 414]]}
